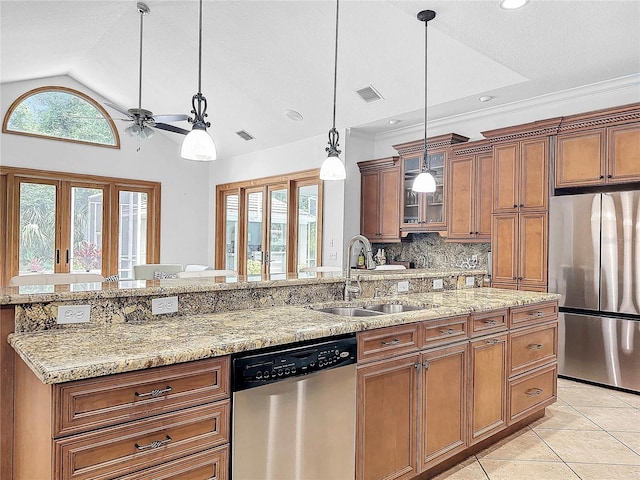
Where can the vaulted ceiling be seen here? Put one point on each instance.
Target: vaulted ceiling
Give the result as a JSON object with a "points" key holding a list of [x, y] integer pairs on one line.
{"points": [[263, 57]]}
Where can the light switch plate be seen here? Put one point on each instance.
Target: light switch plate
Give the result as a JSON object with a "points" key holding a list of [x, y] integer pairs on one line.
{"points": [[470, 281], [438, 284], [73, 314], [164, 305], [403, 286]]}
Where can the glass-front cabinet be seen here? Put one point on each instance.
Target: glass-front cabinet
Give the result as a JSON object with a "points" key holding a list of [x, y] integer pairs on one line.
{"points": [[424, 212]]}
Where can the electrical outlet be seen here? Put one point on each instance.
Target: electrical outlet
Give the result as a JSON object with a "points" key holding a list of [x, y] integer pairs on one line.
{"points": [[470, 281], [403, 287], [438, 284], [73, 314], [163, 305], [333, 255]]}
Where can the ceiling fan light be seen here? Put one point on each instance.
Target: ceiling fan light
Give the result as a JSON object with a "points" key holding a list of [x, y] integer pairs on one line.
{"points": [[424, 182], [198, 145], [332, 169], [147, 132]]}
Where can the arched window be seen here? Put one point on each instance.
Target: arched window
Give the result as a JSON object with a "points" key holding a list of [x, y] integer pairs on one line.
{"points": [[61, 113]]}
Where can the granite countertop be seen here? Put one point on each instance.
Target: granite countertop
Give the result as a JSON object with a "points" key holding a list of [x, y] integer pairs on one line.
{"points": [[57, 356], [173, 286]]}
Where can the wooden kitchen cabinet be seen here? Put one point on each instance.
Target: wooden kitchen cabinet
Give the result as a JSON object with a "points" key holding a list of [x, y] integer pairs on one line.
{"points": [[387, 418], [126, 425], [487, 386], [423, 212], [443, 403], [519, 251], [521, 173], [602, 156], [470, 195], [380, 199]]}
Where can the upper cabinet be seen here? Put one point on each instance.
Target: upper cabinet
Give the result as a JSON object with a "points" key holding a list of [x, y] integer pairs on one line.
{"points": [[470, 192], [424, 212], [599, 148], [380, 199], [521, 172]]}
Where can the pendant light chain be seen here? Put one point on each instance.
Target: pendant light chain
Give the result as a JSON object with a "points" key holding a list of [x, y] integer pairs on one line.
{"points": [[335, 66], [200, 52], [427, 162]]}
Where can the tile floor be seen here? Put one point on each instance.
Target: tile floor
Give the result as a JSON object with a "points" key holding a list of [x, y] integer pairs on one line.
{"points": [[590, 433]]}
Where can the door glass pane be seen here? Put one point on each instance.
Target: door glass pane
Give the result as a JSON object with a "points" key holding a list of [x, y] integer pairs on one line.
{"points": [[307, 226], [278, 234], [132, 232], [254, 236], [86, 229], [37, 228], [435, 205], [231, 232]]}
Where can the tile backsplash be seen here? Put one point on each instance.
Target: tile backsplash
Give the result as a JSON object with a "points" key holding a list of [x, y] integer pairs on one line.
{"points": [[432, 248]]}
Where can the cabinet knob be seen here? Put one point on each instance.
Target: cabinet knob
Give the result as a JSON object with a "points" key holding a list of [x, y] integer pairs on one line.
{"points": [[519, 278], [515, 206], [601, 177], [521, 205], [609, 176], [470, 233], [513, 278], [476, 233]]}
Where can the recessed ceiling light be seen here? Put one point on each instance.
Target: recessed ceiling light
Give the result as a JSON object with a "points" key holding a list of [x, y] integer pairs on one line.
{"points": [[293, 115], [485, 98], [393, 121], [513, 4]]}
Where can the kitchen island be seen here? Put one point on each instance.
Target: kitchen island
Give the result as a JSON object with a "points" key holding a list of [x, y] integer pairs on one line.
{"points": [[122, 340]]}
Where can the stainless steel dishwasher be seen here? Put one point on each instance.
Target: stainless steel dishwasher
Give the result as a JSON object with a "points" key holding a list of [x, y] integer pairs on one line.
{"points": [[294, 413]]}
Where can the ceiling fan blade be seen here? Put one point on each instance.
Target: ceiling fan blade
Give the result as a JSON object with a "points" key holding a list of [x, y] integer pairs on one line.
{"points": [[171, 128], [118, 108], [178, 117]]}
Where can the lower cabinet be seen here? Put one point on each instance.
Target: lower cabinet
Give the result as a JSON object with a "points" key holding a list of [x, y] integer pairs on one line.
{"points": [[162, 423], [387, 418]]}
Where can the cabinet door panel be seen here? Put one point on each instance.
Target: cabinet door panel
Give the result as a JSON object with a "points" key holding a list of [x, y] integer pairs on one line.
{"points": [[624, 154], [534, 169], [484, 195], [444, 392], [487, 379], [387, 419], [461, 175], [390, 204], [369, 202], [505, 174], [533, 248], [580, 159], [504, 245]]}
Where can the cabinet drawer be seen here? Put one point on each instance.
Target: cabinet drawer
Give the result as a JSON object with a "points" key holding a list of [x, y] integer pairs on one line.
{"points": [[208, 465], [103, 401], [487, 322], [533, 314], [443, 331], [387, 342], [120, 450], [532, 347], [531, 392]]}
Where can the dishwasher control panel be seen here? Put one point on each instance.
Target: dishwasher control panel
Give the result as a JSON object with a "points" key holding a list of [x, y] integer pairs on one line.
{"points": [[261, 369]]}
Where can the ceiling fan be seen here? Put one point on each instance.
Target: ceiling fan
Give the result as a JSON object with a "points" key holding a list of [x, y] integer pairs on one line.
{"points": [[143, 119]]}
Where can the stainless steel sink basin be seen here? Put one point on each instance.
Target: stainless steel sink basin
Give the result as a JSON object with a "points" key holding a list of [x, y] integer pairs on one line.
{"points": [[392, 308], [349, 311]]}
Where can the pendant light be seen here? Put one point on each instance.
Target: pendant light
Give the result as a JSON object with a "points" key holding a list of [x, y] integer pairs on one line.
{"points": [[198, 144], [333, 168], [425, 181]]}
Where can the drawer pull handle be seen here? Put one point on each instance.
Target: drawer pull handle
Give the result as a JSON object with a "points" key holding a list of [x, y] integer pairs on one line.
{"points": [[449, 331], [535, 346], [154, 393], [491, 322], [154, 444], [536, 314], [493, 341], [395, 341], [533, 392]]}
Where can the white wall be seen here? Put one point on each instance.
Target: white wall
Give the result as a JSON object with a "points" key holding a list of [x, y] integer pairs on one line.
{"points": [[185, 185]]}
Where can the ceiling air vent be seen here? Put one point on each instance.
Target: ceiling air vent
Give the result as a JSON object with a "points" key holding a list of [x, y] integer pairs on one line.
{"points": [[369, 94], [245, 135]]}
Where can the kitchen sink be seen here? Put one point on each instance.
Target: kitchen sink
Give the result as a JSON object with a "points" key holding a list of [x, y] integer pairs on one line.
{"points": [[370, 310]]}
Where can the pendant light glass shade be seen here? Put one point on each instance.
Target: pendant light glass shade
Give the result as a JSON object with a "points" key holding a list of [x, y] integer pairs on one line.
{"points": [[425, 182], [198, 145], [333, 169]]}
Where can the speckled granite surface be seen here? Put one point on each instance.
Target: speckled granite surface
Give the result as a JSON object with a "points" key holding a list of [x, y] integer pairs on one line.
{"points": [[57, 356]]}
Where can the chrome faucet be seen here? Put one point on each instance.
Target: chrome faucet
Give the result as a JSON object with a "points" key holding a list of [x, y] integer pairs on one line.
{"points": [[355, 290]]}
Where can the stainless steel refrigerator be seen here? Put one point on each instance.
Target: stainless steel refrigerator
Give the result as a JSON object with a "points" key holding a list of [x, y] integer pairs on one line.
{"points": [[594, 263]]}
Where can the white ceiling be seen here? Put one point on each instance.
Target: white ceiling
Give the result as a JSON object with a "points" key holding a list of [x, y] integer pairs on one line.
{"points": [[263, 57]]}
